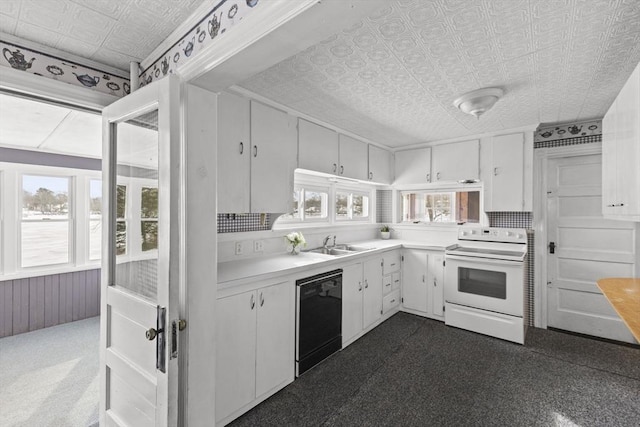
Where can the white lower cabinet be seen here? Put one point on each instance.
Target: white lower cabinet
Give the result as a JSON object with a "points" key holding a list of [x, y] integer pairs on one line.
{"points": [[422, 283], [362, 292], [255, 347], [372, 305]]}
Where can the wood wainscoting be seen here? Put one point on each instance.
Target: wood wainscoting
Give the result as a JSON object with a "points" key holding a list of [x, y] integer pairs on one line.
{"points": [[39, 302]]}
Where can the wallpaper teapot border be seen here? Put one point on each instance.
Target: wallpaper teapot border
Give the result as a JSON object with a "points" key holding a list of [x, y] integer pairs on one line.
{"points": [[571, 130], [222, 18], [41, 64]]}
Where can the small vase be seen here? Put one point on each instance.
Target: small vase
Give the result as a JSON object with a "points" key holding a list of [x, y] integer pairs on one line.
{"points": [[385, 235], [295, 250]]}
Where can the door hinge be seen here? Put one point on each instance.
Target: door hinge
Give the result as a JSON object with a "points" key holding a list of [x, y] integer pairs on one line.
{"points": [[443, 263], [402, 300], [402, 258], [382, 263], [443, 307]]}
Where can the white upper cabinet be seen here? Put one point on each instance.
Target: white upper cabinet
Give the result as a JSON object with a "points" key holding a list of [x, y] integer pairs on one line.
{"points": [[380, 165], [413, 166], [503, 166], [273, 159], [621, 153], [234, 154], [456, 161], [257, 156], [318, 148], [353, 158]]}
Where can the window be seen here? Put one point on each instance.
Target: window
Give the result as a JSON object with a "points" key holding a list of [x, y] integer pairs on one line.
{"points": [[149, 218], [121, 219], [351, 205], [441, 207], [310, 204], [45, 232], [95, 219]]}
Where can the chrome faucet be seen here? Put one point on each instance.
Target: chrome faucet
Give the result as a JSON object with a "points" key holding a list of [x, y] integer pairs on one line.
{"points": [[325, 242]]}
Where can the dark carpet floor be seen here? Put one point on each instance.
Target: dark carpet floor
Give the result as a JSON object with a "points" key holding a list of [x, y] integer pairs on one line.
{"points": [[412, 371]]}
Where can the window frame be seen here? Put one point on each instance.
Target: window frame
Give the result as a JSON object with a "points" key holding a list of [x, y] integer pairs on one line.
{"points": [[440, 190], [350, 194], [70, 220]]}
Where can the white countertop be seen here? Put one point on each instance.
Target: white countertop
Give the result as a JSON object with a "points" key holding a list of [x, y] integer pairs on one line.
{"points": [[233, 273]]}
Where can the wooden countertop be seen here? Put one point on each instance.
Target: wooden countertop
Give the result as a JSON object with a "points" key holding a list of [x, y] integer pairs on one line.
{"points": [[624, 296]]}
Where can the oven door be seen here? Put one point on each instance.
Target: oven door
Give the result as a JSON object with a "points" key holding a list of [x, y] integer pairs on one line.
{"points": [[487, 284]]}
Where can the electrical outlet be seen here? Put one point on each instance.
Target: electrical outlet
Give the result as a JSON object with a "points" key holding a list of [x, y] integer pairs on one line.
{"points": [[258, 246], [239, 248]]}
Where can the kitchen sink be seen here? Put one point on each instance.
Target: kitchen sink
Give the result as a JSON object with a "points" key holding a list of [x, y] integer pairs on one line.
{"points": [[330, 251], [339, 250]]}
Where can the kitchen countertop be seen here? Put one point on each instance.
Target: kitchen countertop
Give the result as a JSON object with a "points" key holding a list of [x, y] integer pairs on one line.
{"points": [[624, 296], [232, 273]]}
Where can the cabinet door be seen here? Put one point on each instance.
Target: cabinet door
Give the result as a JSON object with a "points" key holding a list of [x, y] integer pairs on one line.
{"points": [[273, 159], [413, 166], [456, 161], [507, 173], [275, 337], [609, 195], [628, 146], [379, 165], [353, 158], [352, 289], [414, 280], [372, 310], [318, 148], [235, 353], [436, 279], [234, 151]]}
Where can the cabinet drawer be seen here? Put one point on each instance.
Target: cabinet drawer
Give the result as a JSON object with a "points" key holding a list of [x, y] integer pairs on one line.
{"points": [[387, 284], [391, 301], [395, 281], [391, 262]]}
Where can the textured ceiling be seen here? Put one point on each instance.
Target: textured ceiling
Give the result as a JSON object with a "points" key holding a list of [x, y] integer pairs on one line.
{"points": [[392, 77], [112, 32]]}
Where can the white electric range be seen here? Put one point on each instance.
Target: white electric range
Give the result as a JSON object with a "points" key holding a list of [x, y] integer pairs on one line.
{"points": [[485, 289]]}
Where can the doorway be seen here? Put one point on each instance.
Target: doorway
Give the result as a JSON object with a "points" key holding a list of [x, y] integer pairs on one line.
{"points": [[582, 247]]}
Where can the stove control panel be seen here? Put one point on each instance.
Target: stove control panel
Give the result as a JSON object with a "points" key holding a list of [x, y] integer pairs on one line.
{"points": [[493, 234]]}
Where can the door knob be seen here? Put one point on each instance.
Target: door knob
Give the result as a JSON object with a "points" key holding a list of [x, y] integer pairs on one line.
{"points": [[151, 334]]}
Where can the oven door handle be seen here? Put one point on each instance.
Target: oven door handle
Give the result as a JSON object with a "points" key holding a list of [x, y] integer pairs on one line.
{"points": [[479, 260]]}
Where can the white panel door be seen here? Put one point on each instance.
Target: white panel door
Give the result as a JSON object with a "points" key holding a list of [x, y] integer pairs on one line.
{"points": [[436, 282], [275, 346], [139, 376], [274, 157], [234, 154], [235, 353], [318, 148], [414, 280], [352, 288], [456, 161], [413, 166], [353, 158], [507, 173], [372, 305], [586, 247]]}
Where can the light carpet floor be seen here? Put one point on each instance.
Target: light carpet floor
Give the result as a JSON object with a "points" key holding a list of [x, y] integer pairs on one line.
{"points": [[49, 377]]}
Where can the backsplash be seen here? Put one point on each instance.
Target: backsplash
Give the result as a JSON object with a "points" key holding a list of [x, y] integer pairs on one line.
{"points": [[234, 223], [384, 210], [510, 219]]}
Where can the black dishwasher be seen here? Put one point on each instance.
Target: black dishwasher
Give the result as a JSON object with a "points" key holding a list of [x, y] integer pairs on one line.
{"points": [[319, 321]]}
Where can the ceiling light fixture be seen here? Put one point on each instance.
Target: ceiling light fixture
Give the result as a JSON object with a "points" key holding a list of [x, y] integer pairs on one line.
{"points": [[479, 101]]}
